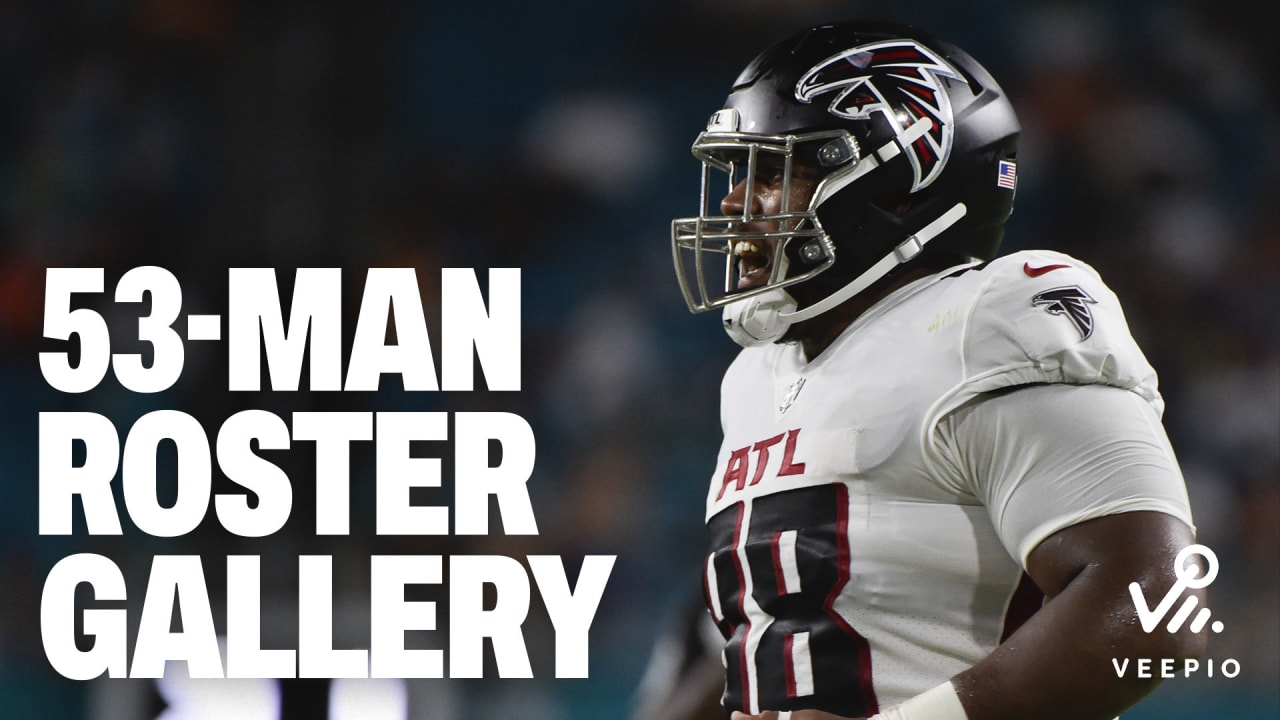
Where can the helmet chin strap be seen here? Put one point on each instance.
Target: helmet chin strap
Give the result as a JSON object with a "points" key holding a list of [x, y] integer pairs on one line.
{"points": [[765, 318], [904, 252]]}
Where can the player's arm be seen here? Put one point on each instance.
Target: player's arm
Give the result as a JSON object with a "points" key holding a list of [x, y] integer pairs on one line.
{"points": [[1062, 662], [1084, 489]]}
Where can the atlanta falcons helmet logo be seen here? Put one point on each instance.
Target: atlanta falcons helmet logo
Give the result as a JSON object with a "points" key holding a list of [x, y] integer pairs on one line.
{"points": [[1070, 302], [898, 79]]}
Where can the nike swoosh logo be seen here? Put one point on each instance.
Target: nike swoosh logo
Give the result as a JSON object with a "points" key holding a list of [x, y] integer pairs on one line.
{"points": [[1038, 271]]}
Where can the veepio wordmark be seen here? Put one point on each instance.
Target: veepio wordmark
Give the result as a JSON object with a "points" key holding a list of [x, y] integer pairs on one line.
{"points": [[1189, 577]]}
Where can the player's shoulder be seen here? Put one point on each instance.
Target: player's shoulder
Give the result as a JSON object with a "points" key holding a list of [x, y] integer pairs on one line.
{"points": [[1052, 316], [1045, 267], [1016, 291], [1017, 271]]}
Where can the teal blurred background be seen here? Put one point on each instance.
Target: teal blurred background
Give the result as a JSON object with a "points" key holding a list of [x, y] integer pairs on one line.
{"points": [[206, 134]]}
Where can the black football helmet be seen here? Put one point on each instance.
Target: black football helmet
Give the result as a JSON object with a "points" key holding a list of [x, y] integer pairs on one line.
{"points": [[912, 147]]}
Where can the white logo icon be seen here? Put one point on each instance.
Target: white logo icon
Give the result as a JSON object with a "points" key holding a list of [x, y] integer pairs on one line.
{"points": [[1188, 577], [790, 397]]}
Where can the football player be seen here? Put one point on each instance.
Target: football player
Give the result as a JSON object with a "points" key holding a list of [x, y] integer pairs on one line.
{"points": [[941, 469]]}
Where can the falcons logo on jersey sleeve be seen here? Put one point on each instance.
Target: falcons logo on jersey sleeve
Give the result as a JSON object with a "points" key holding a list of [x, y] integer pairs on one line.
{"points": [[1071, 303], [899, 79]]}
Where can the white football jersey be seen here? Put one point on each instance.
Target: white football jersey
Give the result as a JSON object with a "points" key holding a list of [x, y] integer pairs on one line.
{"points": [[852, 565]]}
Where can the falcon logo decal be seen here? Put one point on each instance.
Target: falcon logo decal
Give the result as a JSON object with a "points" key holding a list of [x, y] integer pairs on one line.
{"points": [[1070, 302], [900, 79]]}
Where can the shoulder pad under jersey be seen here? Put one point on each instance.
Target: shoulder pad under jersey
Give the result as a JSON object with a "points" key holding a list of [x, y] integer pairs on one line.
{"points": [[1045, 317]]}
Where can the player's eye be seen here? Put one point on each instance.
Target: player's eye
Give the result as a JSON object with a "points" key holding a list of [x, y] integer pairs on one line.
{"points": [[770, 170]]}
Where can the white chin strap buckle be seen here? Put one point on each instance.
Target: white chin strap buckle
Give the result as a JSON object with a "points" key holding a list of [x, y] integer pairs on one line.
{"points": [[759, 320], [906, 251], [909, 248]]}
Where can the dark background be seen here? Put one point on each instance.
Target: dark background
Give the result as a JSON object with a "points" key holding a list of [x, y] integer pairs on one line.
{"points": [[205, 134]]}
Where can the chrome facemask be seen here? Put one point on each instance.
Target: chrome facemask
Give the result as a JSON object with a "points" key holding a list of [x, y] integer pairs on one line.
{"points": [[797, 247], [707, 249]]}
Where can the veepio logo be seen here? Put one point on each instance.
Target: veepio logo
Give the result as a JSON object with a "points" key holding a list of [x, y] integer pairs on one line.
{"points": [[1188, 577], [1188, 574]]}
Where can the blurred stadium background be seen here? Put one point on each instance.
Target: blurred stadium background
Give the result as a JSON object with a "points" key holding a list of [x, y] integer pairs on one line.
{"points": [[553, 136]]}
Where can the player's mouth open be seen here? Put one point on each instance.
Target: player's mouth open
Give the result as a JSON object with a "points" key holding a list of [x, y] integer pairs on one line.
{"points": [[754, 263]]}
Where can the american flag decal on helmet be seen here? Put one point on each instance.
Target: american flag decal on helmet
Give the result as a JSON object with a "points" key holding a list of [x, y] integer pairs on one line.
{"points": [[1071, 303], [1007, 175], [900, 80]]}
